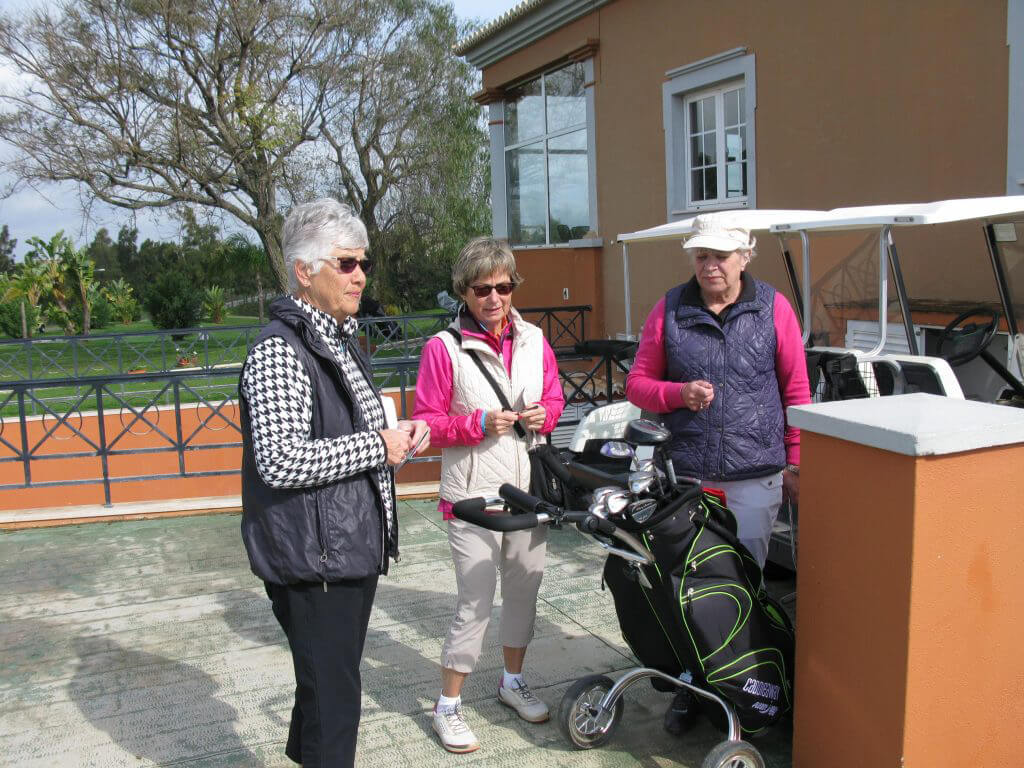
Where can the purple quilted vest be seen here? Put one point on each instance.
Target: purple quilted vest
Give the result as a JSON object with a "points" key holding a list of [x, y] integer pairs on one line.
{"points": [[740, 435]]}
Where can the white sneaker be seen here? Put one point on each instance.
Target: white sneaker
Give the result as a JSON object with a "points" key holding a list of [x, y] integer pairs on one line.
{"points": [[450, 726], [521, 699]]}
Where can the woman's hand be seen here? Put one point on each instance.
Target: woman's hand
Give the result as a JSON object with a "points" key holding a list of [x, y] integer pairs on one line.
{"points": [[398, 444], [697, 395], [533, 417], [416, 428], [499, 422]]}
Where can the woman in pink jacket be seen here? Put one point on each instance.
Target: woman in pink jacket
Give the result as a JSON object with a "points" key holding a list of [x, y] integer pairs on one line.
{"points": [[484, 445]]}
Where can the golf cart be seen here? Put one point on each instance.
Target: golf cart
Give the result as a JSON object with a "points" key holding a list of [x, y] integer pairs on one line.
{"points": [[972, 350]]}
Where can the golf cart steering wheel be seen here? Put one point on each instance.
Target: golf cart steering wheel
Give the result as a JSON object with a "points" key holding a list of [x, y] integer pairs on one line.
{"points": [[965, 344]]}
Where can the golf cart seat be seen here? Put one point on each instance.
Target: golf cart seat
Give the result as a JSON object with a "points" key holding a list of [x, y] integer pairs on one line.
{"points": [[835, 374], [932, 375]]}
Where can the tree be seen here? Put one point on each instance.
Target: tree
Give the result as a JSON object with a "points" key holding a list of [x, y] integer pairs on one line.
{"points": [[159, 103], [409, 147], [244, 106], [247, 265], [56, 288], [7, 244], [173, 301], [102, 251], [122, 300]]}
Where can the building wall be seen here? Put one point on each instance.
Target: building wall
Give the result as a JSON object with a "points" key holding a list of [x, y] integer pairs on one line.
{"points": [[873, 102]]}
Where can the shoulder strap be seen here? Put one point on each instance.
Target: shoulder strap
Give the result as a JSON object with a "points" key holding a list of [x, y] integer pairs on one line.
{"points": [[490, 379]]}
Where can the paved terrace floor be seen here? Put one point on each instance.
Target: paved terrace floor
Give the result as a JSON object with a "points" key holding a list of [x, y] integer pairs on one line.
{"points": [[150, 643]]}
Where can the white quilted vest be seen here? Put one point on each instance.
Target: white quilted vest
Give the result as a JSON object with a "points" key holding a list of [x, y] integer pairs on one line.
{"points": [[478, 470]]}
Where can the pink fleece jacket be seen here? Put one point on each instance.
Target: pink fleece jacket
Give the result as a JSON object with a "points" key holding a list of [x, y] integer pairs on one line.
{"points": [[647, 388], [434, 395]]}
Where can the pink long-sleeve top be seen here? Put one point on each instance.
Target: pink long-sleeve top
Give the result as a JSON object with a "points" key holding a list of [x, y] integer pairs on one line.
{"points": [[647, 388], [434, 385]]}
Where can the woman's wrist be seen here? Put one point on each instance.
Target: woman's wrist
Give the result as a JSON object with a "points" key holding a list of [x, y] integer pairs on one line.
{"points": [[483, 422], [793, 469]]}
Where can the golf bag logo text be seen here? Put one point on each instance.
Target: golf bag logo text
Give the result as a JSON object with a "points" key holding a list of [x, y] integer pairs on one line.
{"points": [[762, 689]]}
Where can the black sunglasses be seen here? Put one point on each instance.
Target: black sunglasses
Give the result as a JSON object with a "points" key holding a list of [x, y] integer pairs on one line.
{"points": [[483, 291], [348, 264]]}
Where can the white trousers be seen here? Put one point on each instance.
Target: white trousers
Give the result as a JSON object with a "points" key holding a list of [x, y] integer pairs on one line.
{"points": [[755, 503], [479, 555]]}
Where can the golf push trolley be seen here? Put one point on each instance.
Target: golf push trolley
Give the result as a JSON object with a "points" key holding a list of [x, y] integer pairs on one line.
{"points": [[690, 600]]}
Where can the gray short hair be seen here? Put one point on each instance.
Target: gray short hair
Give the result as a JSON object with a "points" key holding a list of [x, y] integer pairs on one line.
{"points": [[480, 258], [312, 230]]}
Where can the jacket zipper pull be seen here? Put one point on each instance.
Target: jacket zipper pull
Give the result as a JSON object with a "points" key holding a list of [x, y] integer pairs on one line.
{"points": [[323, 559]]}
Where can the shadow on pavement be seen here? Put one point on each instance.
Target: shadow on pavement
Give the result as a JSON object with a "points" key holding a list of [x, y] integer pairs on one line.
{"points": [[152, 707]]}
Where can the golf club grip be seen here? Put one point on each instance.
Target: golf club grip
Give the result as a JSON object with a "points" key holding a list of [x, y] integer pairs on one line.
{"points": [[474, 511], [521, 500]]}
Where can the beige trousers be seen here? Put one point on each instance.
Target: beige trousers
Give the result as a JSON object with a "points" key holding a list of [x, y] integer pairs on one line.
{"points": [[479, 555]]}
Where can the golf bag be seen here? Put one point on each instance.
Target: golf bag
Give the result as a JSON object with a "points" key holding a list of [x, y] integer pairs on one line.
{"points": [[704, 609]]}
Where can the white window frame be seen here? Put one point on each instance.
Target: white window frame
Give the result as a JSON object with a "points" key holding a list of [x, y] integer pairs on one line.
{"points": [[714, 74], [718, 94], [499, 181]]}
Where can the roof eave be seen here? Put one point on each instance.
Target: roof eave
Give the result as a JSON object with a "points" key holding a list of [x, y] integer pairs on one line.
{"points": [[526, 23]]}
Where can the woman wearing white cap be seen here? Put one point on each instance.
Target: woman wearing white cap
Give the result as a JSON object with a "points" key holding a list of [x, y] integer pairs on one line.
{"points": [[722, 357]]}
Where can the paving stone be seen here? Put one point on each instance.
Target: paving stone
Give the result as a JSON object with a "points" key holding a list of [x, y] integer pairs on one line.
{"points": [[150, 643]]}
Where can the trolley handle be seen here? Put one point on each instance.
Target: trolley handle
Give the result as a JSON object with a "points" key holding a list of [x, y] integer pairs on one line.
{"points": [[474, 511]]}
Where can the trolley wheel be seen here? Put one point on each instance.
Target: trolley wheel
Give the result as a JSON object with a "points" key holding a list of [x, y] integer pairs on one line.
{"points": [[579, 717], [733, 754]]}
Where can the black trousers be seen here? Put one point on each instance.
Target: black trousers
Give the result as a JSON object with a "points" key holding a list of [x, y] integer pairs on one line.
{"points": [[326, 631]]}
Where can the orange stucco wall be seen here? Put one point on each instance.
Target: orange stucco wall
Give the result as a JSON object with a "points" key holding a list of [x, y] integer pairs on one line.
{"points": [[909, 609], [81, 468], [857, 103], [548, 271]]}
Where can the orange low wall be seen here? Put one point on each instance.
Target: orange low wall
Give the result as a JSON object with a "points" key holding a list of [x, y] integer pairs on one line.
{"points": [[201, 428], [910, 612]]}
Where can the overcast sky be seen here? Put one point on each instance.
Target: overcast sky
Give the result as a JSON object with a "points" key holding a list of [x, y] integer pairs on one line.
{"points": [[56, 207]]}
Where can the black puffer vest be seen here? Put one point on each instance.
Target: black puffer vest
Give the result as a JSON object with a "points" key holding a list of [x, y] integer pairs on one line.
{"points": [[324, 533], [740, 435]]}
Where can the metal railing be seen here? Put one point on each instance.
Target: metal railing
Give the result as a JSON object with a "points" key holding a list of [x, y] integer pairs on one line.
{"points": [[207, 349], [192, 410]]}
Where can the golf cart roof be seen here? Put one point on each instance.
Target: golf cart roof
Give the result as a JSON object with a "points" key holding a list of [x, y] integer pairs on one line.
{"points": [[905, 214], [752, 219]]}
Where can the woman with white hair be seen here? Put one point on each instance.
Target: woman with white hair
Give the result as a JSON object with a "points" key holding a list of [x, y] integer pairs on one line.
{"points": [[318, 492], [722, 357]]}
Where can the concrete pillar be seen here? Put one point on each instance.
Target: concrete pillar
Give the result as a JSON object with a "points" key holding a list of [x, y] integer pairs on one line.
{"points": [[910, 584]]}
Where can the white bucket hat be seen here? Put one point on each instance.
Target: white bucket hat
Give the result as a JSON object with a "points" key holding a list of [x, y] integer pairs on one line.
{"points": [[719, 232]]}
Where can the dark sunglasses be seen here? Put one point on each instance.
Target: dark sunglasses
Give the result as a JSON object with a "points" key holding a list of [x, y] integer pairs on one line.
{"points": [[483, 291], [348, 264]]}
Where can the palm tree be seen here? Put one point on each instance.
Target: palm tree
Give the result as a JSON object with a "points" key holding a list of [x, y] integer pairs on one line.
{"points": [[28, 285], [244, 255]]}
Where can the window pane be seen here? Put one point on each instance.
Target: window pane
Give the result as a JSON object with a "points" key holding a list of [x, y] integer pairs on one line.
{"points": [[696, 124], [525, 169], [711, 183], [567, 186], [741, 94], [736, 179], [710, 149], [696, 152], [567, 105], [709, 112], [732, 108], [733, 145], [524, 113], [697, 180]]}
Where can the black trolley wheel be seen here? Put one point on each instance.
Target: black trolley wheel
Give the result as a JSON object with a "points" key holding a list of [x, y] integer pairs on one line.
{"points": [[579, 717], [733, 754]]}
